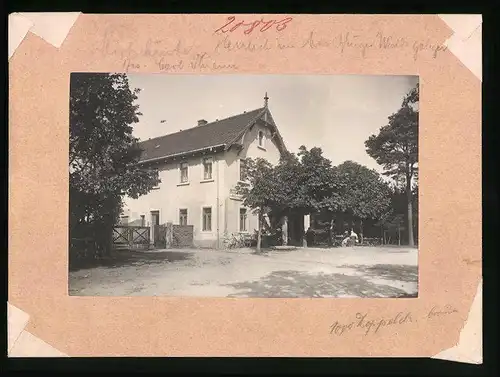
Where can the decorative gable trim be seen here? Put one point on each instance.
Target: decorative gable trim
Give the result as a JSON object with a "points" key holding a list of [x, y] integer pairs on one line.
{"points": [[241, 135], [269, 123]]}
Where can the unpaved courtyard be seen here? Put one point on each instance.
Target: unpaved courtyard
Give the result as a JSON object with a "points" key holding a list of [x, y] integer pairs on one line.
{"points": [[336, 272], [309, 272]]}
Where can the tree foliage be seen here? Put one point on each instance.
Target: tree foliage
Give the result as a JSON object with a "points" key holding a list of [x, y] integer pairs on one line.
{"points": [[306, 183], [395, 147], [320, 187], [103, 154], [394, 220], [299, 183], [258, 188], [365, 195]]}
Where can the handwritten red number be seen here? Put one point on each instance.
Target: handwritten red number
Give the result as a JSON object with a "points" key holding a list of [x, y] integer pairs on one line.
{"points": [[231, 20], [282, 23], [251, 26], [267, 25], [237, 26]]}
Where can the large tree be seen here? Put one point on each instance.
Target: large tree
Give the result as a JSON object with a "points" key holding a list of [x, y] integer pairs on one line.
{"points": [[395, 147], [364, 194], [320, 189], [261, 190], [103, 154], [299, 184]]}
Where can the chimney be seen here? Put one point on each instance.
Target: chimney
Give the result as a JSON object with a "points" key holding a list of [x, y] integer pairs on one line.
{"points": [[202, 122]]}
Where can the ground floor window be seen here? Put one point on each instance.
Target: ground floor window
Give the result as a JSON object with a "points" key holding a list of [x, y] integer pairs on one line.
{"points": [[183, 216], [207, 219], [243, 220]]}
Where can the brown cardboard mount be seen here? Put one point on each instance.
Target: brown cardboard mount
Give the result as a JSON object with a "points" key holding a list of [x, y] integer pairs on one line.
{"points": [[444, 50]]}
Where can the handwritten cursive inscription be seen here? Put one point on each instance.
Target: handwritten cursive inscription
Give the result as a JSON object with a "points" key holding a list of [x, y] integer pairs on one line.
{"points": [[114, 45], [373, 325], [370, 325], [226, 44], [419, 46], [127, 65], [166, 65], [200, 61], [249, 26], [154, 48], [439, 312], [203, 61], [166, 55], [342, 42], [390, 42]]}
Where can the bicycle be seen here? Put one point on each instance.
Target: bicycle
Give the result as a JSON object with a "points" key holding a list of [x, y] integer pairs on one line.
{"points": [[234, 241]]}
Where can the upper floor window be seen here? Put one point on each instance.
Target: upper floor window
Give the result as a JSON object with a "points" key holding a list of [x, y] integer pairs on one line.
{"points": [[184, 172], [207, 168], [158, 184], [183, 216], [261, 139], [243, 169]]}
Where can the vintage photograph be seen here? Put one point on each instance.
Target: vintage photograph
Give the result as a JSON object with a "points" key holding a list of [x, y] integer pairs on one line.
{"points": [[271, 186]]}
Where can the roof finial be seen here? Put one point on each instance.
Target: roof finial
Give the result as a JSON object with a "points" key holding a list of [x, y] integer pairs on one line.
{"points": [[266, 98]]}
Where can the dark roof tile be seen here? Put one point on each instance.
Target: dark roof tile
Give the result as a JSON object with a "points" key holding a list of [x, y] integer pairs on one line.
{"points": [[212, 134]]}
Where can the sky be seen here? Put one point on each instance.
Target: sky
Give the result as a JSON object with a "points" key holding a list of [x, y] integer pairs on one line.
{"points": [[336, 113]]}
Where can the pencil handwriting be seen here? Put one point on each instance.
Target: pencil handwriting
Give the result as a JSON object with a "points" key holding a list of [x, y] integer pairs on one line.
{"points": [[342, 42], [437, 311], [370, 325], [113, 44]]}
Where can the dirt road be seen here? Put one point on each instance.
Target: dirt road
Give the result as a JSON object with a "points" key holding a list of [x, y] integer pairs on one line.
{"points": [[336, 272]]}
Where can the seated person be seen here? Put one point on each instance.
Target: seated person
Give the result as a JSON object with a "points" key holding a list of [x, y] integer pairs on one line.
{"points": [[354, 237], [350, 239]]}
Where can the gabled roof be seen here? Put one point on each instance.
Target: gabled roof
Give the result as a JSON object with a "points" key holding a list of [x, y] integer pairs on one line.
{"points": [[221, 133]]}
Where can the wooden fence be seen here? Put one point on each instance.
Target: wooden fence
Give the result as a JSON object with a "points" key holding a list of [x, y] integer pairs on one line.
{"points": [[131, 236], [164, 236]]}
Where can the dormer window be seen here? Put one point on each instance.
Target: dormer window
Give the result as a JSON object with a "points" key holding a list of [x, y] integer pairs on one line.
{"points": [[261, 139]]}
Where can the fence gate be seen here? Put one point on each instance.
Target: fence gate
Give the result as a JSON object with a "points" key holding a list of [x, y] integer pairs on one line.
{"points": [[160, 236], [168, 235], [131, 236]]}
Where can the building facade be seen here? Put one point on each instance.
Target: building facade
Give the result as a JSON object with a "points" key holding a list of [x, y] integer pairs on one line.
{"points": [[199, 169]]}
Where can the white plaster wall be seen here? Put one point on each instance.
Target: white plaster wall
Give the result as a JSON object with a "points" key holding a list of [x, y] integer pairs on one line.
{"points": [[193, 196], [172, 195], [250, 149]]}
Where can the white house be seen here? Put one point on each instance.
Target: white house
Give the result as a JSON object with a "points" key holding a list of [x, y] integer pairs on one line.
{"points": [[199, 169]]}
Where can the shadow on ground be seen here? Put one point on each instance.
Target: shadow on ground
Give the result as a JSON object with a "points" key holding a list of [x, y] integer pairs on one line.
{"points": [[280, 284], [133, 258], [389, 271]]}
